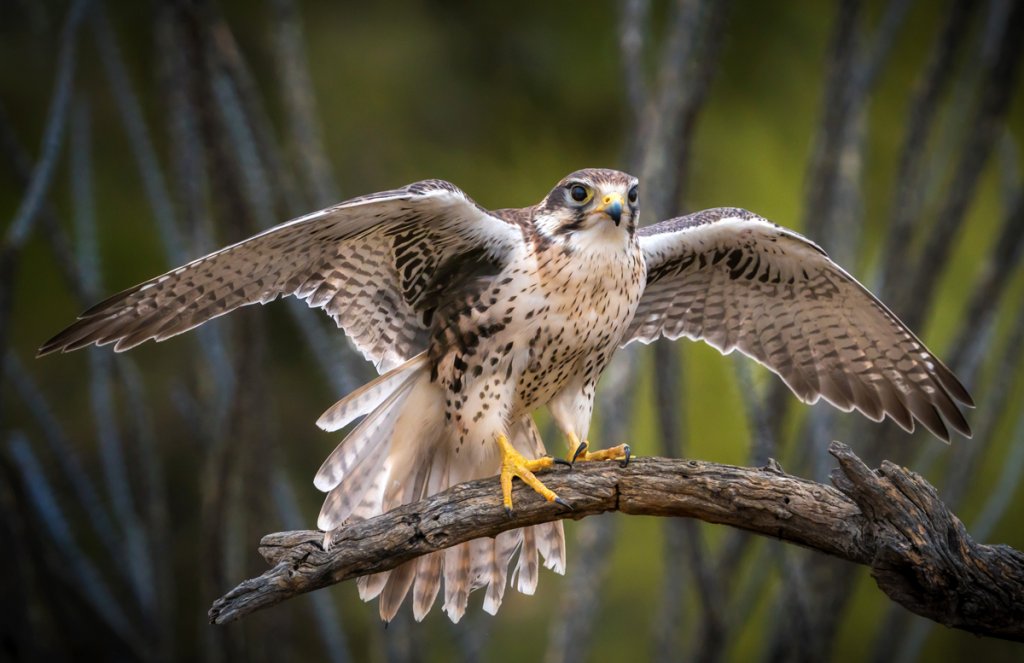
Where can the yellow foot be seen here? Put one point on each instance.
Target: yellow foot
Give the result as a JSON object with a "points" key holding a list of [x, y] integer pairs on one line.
{"points": [[513, 464], [578, 451]]}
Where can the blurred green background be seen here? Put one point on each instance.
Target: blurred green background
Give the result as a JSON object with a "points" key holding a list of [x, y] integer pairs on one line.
{"points": [[502, 99]]}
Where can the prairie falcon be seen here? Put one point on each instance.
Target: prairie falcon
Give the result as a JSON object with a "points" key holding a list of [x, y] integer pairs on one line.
{"points": [[477, 318]]}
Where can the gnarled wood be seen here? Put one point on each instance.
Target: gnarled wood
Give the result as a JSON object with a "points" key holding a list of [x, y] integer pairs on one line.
{"points": [[890, 520], [923, 557]]}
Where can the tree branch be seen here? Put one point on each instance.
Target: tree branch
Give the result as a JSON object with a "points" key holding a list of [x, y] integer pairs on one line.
{"points": [[890, 519]]}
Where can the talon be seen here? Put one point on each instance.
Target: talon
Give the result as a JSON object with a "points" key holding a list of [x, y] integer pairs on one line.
{"points": [[581, 449], [621, 452], [559, 500], [509, 513], [561, 461]]}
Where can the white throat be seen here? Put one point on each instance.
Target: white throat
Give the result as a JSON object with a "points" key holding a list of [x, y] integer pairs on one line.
{"points": [[600, 235]]}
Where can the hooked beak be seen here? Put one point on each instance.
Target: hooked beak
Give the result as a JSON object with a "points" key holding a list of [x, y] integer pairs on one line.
{"points": [[612, 206]]}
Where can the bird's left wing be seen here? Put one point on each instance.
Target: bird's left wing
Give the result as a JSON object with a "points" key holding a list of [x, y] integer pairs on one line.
{"points": [[738, 281], [376, 264]]}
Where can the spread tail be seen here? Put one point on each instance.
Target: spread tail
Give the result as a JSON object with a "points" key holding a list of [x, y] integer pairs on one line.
{"points": [[399, 454]]}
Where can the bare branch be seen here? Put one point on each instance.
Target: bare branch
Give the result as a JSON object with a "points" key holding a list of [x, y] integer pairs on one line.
{"points": [[633, 30], [137, 569], [140, 138], [996, 276], [80, 568], [297, 91], [53, 136], [890, 519], [67, 456], [928, 91], [997, 93]]}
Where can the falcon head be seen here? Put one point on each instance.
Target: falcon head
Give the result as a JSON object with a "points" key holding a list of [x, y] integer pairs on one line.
{"points": [[590, 205]]}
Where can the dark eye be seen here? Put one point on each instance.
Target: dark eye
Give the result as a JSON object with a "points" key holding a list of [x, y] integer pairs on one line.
{"points": [[632, 195], [578, 192]]}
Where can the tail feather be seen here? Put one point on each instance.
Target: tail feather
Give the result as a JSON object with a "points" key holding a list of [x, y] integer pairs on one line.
{"points": [[481, 557], [396, 589], [397, 493], [370, 396], [371, 434], [409, 472], [502, 550], [346, 496], [367, 508], [459, 560], [551, 545], [430, 568], [372, 585], [369, 587], [428, 583], [456, 581], [526, 568]]}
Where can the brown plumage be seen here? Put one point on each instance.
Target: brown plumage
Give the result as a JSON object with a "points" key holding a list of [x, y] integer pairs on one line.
{"points": [[730, 278], [476, 319]]}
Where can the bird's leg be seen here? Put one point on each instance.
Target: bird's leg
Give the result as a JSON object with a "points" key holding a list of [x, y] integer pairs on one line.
{"points": [[514, 464], [578, 451]]}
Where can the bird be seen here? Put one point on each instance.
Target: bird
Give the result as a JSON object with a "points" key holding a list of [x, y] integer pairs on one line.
{"points": [[476, 319]]}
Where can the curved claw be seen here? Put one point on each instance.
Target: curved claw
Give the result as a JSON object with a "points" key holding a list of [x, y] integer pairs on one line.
{"points": [[560, 501], [561, 461], [580, 450], [509, 513], [625, 461]]}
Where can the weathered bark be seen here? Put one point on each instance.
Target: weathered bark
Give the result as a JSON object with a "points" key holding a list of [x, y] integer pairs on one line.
{"points": [[890, 519]]}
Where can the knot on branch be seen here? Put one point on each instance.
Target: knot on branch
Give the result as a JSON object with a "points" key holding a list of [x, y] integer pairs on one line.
{"points": [[923, 557]]}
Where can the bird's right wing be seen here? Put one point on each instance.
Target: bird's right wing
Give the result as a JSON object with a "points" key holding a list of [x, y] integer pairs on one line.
{"points": [[375, 264], [737, 281]]}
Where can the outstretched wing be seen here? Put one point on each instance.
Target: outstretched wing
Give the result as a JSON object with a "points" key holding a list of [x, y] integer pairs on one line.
{"points": [[738, 281], [376, 264]]}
